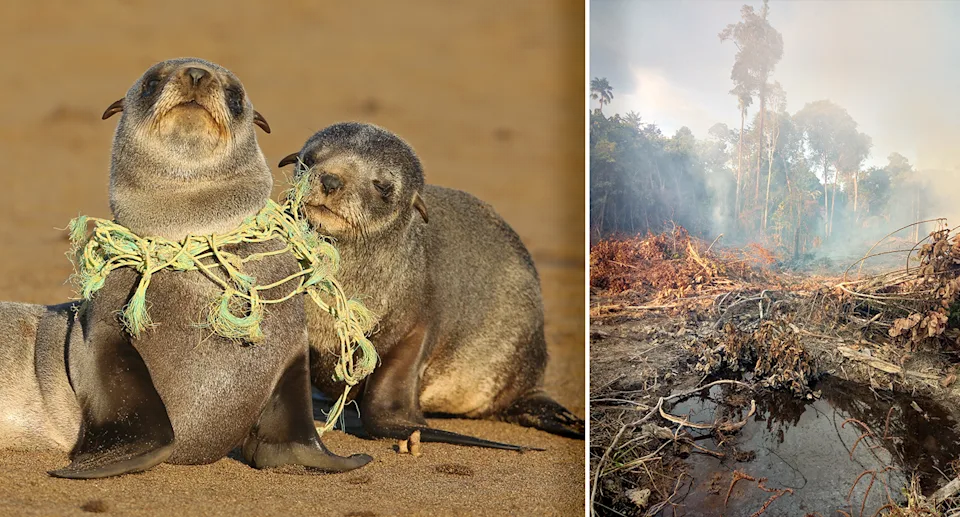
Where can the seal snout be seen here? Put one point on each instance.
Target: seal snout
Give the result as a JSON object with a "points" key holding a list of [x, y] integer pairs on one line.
{"points": [[330, 183], [193, 108], [195, 83], [196, 75]]}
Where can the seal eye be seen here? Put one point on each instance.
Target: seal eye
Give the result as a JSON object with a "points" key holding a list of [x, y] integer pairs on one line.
{"points": [[385, 189], [304, 164], [150, 87], [235, 101]]}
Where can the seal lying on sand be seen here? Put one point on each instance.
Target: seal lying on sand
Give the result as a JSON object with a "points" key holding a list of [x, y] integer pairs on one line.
{"points": [[38, 408], [457, 294], [185, 162]]}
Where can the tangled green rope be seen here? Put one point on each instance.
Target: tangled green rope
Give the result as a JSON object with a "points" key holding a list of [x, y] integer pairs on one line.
{"points": [[239, 309]]}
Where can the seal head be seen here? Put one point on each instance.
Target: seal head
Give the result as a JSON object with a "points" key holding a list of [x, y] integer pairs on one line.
{"points": [[364, 182], [186, 136]]}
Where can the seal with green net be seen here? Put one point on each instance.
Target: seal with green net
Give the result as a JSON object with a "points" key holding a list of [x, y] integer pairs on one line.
{"points": [[239, 309]]}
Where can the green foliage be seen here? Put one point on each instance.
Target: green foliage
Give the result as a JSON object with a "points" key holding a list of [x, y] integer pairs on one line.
{"points": [[600, 90], [641, 180], [953, 320]]}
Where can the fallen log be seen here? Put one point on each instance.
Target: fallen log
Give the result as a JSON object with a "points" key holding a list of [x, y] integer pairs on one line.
{"points": [[882, 365]]}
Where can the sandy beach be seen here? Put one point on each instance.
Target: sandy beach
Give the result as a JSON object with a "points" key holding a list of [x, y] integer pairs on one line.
{"points": [[489, 94]]}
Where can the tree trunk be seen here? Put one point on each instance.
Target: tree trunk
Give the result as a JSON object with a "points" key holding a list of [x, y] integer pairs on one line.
{"points": [[786, 176], [603, 210], [736, 215], [833, 195], [756, 191], [856, 179], [679, 202], [796, 243], [770, 152], [826, 202]]}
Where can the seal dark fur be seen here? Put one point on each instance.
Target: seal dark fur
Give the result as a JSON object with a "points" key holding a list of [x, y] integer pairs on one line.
{"points": [[186, 161], [461, 314]]}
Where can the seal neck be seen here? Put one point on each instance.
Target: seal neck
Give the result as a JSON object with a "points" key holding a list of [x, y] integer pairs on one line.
{"points": [[173, 209], [370, 264]]}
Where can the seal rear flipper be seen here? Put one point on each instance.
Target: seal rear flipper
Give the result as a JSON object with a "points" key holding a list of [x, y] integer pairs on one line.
{"points": [[286, 434], [125, 427], [115, 462], [430, 434], [538, 410]]}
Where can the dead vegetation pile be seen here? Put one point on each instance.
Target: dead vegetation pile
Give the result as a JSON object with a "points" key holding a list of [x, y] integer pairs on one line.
{"points": [[734, 314], [913, 306], [671, 266], [744, 311], [772, 354]]}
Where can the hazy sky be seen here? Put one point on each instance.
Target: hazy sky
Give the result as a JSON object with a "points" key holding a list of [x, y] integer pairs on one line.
{"points": [[895, 66]]}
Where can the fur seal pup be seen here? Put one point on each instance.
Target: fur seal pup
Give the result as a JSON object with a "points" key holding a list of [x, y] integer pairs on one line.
{"points": [[461, 314], [186, 161], [38, 409]]}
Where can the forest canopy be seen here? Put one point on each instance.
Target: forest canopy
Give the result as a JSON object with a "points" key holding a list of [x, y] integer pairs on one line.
{"points": [[793, 182]]}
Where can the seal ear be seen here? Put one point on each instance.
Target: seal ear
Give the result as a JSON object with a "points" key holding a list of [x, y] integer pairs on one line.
{"points": [[288, 159], [420, 206], [113, 109], [260, 121]]}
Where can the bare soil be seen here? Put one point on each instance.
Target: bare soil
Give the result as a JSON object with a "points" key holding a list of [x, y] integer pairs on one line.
{"points": [[670, 312]]}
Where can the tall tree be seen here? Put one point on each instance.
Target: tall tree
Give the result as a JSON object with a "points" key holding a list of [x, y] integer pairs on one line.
{"points": [[826, 126], [854, 149], [759, 49], [899, 167], [600, 90], [902, 174], [851, 148], [778, 99], [802, 186], [875, 190], [743, 101], [718, 153]]}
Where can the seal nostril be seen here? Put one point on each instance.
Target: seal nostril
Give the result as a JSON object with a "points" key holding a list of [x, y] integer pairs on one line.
{"points": [[331, 183], [196, 74]]}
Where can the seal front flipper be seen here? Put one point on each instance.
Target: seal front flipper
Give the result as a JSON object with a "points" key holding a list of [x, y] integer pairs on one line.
{"points": [[285, 433], [124, 426], [538, 410]]}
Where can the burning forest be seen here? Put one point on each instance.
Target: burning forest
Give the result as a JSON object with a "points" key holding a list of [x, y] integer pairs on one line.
{"points": [[775, 303]]}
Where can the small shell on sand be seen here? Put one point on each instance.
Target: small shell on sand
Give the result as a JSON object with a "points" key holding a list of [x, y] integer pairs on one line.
{"points": [[410, 445]]}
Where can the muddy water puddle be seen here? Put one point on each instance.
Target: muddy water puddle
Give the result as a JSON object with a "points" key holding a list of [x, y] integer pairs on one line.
{"points": [[813, 448]]}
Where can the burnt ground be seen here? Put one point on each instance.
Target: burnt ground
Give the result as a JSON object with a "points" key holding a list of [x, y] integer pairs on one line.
{"points": [[665, 320]]}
